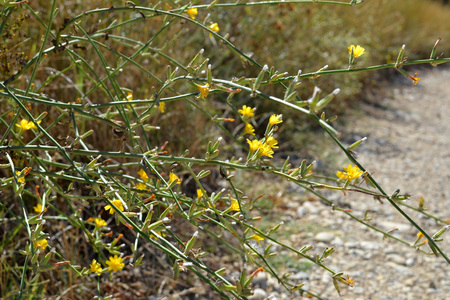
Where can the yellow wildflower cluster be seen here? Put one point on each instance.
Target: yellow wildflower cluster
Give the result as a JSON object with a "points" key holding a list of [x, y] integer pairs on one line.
{"points": [[115, 263], [247, 111], [173, 177], [37, 208], [117, 203], [20, 179], [214, 27], [351, 172], [275, 119], [143, 175], [257, 238], [27, 125], [357, 50], [249, 129], [41, 244], [99, 222], [204, 90], [234, 206], [192, 12], [265, 148], [95, 267]]}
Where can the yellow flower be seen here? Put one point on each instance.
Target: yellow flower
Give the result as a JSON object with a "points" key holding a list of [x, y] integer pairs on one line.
{"points": [[192, 12], [357, 50], [254, 145], [199, 193], [142, 174], [257, 238], [272, 142], [41, 244], [204, 90], [27, 125], [117, 203], [265, 150], [162, 107], [350, 173], [95, 267], [20, 179], [115, 263], [37, 208], [419, 235], [247, 111], [234, 206], [23, 125], [158, 233], [249, 129], [31, 124], [130, 96], [99, 222], [214, 27], [275, 119], [141, 186], [173, 177]]}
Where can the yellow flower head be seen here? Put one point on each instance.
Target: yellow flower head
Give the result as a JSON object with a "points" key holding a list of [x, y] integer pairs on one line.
{"points": [[37, 208], [95, 267], [192, 12], [247, 111], [275, 119], [26, 125], [351, 172], [162, 107], [115, 263], [214, 27], [234, 206], [357, 50], [130, 96], [31, 124], [173, 177], [272, 142], [99, 222], [141, 186], [249, 129], [257, 238], [41, 244], [158, 233], [142, 174], [204, 90], [265, 150], [117, 203], [20, 179], [23, 125], [199, 193], [254, 145]]}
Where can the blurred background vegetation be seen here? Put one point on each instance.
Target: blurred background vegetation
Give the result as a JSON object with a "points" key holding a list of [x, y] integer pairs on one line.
{"points": [[287, 36]]}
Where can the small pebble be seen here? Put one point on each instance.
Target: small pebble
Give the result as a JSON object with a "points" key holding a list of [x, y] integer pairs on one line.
{"points": [[324, 237]]}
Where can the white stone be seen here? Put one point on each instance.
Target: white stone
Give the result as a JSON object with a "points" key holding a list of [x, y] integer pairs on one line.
{"points": [[325, 237]]}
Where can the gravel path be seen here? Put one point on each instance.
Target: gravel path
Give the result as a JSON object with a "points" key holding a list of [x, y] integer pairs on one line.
{"points": [[408, 148]]}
